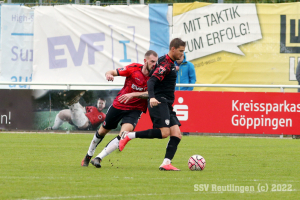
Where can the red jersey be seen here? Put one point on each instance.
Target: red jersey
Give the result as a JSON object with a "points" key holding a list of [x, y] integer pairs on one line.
{"points": [[95, 117], [135, 81]]}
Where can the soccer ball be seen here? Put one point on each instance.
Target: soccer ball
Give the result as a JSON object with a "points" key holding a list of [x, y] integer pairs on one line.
{"points": [[196, 163]]}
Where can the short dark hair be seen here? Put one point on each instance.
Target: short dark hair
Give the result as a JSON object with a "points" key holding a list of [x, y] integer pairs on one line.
{"points": [[100, 98], [150, 52], [176, 42]]}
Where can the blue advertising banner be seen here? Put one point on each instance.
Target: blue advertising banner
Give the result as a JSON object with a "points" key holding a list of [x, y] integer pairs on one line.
{"points": [[17, 45]]}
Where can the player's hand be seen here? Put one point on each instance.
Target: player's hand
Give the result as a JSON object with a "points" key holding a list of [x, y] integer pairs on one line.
{"points": [[153, 102], [125, 98], [109, 77]]}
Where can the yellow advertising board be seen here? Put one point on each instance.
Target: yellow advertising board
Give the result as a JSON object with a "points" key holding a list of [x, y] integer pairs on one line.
{"points": [[240, 43]]}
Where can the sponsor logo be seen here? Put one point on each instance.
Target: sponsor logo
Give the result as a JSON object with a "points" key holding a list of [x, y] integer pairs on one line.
{"points": [[161, 70], [87, 41], [182, 112], [289, 32], [288, 27], [167, 122], [138, 88]]}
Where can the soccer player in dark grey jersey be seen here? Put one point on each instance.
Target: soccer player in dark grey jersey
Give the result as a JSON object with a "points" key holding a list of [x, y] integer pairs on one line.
{"points": [[161, 89]]}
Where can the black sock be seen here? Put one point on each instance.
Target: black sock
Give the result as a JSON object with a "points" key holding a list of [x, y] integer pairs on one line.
{"points": [[150, 134], [172, 147], [99, 137]]}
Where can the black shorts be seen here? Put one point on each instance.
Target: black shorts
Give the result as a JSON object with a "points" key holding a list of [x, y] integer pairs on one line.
{"points": [[163, 115], [114, 116]]}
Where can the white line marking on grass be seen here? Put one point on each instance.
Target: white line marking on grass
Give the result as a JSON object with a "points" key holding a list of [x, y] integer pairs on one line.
{"points": [[163, 178], [150, 194], [241, 135], [29, 177], [45, 133], [113, 195]]}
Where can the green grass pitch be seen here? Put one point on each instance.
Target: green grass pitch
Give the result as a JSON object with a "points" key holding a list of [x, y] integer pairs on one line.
{"points": [[47, 166]]}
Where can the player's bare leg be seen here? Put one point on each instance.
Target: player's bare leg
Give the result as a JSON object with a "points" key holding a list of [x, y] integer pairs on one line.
{"points": [[65, 115], [111, 146], [165, 132], [62, 117]]}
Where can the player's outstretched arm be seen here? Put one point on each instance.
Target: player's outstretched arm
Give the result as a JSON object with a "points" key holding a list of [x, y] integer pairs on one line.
{"points": [[142, 95], [110, 75], [126, 97]]}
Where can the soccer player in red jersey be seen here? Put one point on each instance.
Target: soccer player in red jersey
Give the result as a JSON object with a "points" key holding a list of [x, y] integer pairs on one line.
{"points": [[95, 116], [124, 107], [83, 118], [161, 89]]}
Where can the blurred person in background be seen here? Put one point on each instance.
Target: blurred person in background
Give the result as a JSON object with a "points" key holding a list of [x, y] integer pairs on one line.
{"points": [[82, 117], [185, 74]]}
